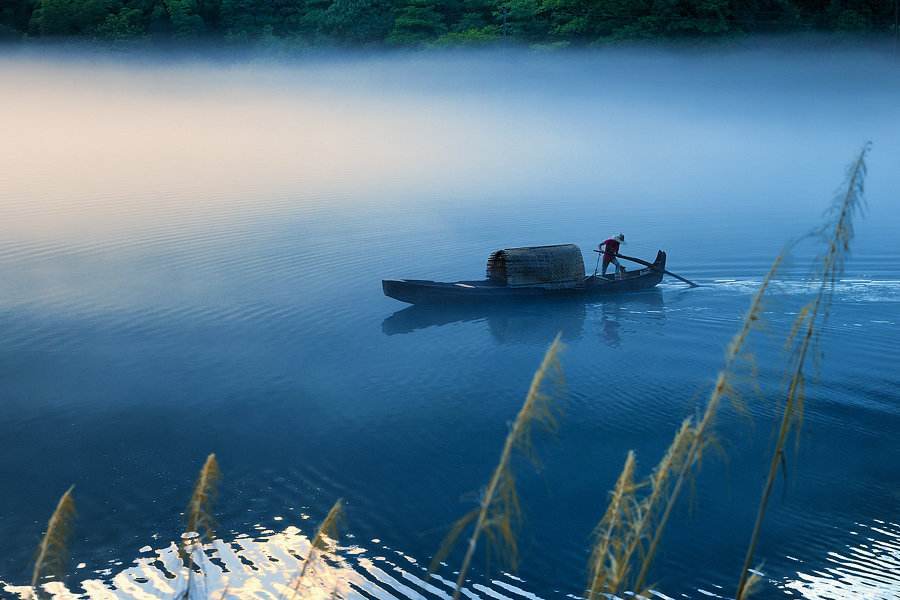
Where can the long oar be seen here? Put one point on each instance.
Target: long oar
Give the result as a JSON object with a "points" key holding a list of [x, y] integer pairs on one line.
{"points": [[652, 266]]}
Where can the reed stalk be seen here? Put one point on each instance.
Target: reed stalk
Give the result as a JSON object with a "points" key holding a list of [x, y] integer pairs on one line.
{"points": [[499, 509], [52, 551], [639, 535], [648, 508], [803, 336], [325, 535], [199, 511], [701, 434], [607, 560]]}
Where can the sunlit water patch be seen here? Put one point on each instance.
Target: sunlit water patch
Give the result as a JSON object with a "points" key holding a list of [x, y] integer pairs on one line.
{"points": [[269, 563], [868, 569]]}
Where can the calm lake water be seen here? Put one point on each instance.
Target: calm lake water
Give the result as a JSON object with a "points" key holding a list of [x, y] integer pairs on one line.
{"points": [[191, 255]]}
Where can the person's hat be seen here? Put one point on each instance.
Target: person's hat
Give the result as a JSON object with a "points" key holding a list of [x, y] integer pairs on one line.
{"points": [[621, 237]]}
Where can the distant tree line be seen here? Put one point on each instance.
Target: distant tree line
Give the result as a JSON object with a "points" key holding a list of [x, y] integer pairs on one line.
{"points": [[435, 22]]}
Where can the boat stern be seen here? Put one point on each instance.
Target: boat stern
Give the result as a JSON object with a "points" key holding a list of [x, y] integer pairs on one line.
{"points": [[660, 262]]}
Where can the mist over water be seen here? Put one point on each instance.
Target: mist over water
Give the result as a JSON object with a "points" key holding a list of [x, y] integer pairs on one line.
{"points": [[190, 262]]}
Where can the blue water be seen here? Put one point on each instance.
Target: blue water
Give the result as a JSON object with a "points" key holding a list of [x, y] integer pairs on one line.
{"points": [[190, 262]]}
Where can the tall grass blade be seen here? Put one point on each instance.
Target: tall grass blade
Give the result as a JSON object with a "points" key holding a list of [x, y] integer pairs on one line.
{"points": [[499, 509], [52, 551], [323, 541], [839, 233], [751, 587], [701, 432], [607, 561], [622, 533], [199, 510], [660, 481]]}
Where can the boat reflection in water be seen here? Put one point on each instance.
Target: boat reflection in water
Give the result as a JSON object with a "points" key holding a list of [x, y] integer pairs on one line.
{"points": [[533, 322], [618, 310]]}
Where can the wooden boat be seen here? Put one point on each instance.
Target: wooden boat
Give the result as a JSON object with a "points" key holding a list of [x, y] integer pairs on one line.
{"points": [[528, 274]]}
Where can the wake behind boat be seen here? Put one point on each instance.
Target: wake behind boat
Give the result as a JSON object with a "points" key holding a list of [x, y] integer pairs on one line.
{"points": [[526, 274]]}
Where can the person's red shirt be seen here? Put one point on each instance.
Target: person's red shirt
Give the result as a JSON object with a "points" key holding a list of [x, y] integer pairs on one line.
{"points": [[610, 248]]}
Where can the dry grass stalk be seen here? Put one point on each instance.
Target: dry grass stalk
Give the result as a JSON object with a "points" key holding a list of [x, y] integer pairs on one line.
{"points": [[624, 529], [701, 433], [611, 534], [52, 551], [660, 481], [323, 541], [499, 509], [751, 586], [612, 561], [839, 233], [199, 511]]}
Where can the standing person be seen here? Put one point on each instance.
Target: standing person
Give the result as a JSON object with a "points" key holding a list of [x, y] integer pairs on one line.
{"points": [[610, 248]]}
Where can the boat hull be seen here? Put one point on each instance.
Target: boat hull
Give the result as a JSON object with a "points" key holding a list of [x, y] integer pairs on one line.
{"points": [[418, 291]]}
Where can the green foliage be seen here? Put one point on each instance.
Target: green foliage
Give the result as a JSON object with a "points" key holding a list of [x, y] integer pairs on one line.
{"points": [[186, 23], [475, 15], [8, 33], [251, 20], [358, 22], [14, 18], [68, 17], [474, 36], [127, 23], [416, 23], [522, 19], [849, 19]]}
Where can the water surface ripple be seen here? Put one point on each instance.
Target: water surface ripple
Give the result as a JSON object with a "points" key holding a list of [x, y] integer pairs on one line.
{"points": [[195, 267]]}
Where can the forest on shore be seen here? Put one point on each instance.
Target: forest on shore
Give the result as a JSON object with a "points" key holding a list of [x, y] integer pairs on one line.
{"points": [[416, 23]]}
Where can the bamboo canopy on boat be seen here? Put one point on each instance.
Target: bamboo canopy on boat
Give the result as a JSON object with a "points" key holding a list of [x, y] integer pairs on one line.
{"points": [[554, 266]]}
